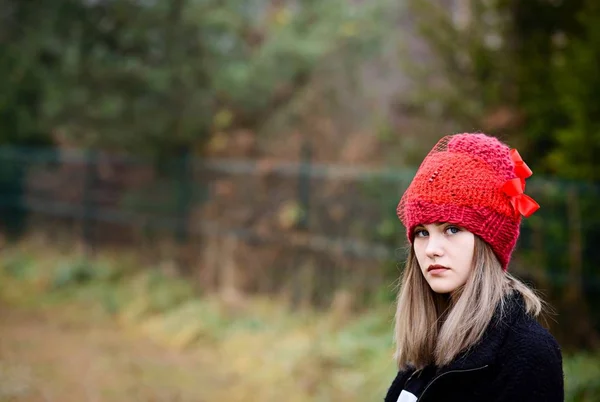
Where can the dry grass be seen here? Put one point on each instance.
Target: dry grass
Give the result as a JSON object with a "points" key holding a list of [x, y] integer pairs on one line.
{"points": [[77, 354], [78, 332], [73, 332]]}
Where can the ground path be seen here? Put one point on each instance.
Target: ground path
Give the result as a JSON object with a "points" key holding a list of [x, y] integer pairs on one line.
{"points": [[70, 354]]}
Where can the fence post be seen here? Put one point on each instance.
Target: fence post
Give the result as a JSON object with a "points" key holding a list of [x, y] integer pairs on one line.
{"points": [[13, 209], [183, 201], [184, 195], [304, 184], [87, 199], [302, 264], [578, 312]]}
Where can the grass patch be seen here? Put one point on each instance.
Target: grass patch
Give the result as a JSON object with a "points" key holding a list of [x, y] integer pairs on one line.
{"points": [[582, 377], [270, 352]]}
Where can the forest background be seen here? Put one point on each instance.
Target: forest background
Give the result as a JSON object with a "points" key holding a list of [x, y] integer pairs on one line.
{"points": [[220, 178]]}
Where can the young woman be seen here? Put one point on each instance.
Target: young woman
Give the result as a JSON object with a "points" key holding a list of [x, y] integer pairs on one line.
{"points": [[466, 329]]}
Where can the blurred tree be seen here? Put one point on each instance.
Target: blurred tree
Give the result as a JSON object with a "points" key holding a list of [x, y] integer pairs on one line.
{"points": [[523, 70], [21, 91], [20, 88], [158, 76], [562, 101], [460, 64], [527, 71], [557, 54]]}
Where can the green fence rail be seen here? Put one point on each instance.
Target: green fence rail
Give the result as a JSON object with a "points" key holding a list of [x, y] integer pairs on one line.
{"points": [[285, 220]]}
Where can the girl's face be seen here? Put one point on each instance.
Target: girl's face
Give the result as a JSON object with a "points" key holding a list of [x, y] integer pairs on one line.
{"points": [[445, 255]]}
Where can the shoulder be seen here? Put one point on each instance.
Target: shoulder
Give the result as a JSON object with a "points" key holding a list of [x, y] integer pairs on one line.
{"points": [[528, 336], [529, 345], [529, 365], [397, 385]]}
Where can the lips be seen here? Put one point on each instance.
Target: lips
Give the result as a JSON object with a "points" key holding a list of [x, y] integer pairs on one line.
{"points": [[436, 268]]}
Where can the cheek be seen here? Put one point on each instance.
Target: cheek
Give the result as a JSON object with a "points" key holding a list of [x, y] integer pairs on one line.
{"points": [[468, 248], [419, 251]]}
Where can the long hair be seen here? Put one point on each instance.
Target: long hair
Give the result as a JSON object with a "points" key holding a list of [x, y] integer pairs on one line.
{"points": [[434, 328]]}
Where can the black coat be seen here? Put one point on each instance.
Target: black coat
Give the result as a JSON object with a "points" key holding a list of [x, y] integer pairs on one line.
{"points": [[516, 360]]}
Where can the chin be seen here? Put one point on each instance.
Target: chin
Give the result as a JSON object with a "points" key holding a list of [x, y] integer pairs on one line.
{"points": [[442, 289]]}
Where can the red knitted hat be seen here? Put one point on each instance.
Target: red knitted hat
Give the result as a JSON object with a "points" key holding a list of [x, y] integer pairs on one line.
{"points": [[475, 181]]}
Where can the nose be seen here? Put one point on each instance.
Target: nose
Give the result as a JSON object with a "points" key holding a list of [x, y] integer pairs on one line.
{"points": [[434, 246]]}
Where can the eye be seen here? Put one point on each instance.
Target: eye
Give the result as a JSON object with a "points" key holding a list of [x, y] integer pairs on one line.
{"points": [[452, 229], [421, 233]]}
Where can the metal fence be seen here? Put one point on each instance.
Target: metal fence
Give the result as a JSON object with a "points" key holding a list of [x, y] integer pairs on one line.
{"points": [[284, 222], [301, 229], [91, 187]]}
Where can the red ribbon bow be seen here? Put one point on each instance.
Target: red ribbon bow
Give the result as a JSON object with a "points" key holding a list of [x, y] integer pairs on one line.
{"points": [[515, 188]]}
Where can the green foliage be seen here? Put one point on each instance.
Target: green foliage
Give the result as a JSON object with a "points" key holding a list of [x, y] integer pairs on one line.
{"points": [[73, 273], [147, 293], [349, 359], [467, 73], [577, 82], [582, 377], [527, 71], [19, 265], [156, 76], [520, 69]]}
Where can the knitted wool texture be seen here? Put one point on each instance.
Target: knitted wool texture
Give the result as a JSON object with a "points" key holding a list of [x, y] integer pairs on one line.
{"points": [[460, 182]]}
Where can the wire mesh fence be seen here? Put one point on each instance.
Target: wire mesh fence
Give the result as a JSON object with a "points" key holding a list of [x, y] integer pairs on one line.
{"points": [[303, 230]]}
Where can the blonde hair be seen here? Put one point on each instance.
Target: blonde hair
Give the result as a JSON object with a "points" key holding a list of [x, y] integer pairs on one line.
{"points": [[434, 328]]}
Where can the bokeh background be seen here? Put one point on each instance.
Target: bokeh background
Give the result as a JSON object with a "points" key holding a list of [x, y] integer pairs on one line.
{"points": [[197, 197]]}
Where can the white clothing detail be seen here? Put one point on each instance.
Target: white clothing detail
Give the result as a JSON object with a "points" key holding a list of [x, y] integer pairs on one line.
{"points": [[406, 396]]}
